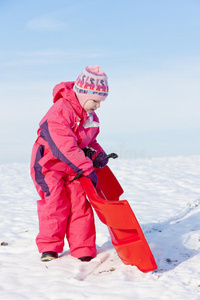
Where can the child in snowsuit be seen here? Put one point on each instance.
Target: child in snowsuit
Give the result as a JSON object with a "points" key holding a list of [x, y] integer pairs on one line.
{"points": [[67, 146]]}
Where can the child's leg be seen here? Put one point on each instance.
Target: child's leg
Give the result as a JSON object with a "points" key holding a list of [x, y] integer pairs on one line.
{"points": [[81, 232], [53, 213], [54, 206]]}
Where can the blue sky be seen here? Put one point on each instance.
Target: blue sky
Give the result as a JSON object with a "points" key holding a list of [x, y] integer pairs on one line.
{"points": [[148, 49]]}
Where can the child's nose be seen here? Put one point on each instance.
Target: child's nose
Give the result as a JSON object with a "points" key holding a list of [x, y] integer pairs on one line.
{"points": [[98, 104]]}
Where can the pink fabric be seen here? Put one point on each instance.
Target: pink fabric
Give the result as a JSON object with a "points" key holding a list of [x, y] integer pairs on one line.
{"points": [[66, 212], [65, 120], [95, 70], [91, 84], [57, 157]]}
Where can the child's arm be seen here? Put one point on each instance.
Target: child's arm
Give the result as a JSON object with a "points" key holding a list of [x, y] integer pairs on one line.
{"points": [[96, 146], [63, 144]]}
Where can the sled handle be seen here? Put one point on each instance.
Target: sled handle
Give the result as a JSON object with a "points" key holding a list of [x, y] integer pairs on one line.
{"points": [[111, 155]]}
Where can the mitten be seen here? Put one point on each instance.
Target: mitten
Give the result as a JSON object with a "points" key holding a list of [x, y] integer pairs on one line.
{"points": [[89, 152], [93, 177], [101, 160]]}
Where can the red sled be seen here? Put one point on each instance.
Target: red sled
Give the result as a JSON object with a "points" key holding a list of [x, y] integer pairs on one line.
{"points": [[125, 232]]}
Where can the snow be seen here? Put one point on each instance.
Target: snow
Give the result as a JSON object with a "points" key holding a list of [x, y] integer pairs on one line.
{"points": [[164, 194]]}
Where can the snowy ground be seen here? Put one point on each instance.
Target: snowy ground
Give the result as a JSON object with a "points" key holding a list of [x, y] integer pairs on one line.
{"points": [[164, 194]]}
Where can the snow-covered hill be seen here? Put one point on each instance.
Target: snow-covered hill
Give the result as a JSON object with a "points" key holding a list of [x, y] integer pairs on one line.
{"points": [[164, 194]]}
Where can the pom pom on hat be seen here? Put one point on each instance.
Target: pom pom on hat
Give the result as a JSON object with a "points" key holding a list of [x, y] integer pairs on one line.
{"points": [[92, 83]]}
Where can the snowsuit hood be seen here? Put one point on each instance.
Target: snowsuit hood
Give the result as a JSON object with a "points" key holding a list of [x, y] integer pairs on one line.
{"points": [[65, 90]]}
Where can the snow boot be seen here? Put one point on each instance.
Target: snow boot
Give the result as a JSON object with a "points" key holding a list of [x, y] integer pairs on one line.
{"points": [[49, 255], [86, 258]]}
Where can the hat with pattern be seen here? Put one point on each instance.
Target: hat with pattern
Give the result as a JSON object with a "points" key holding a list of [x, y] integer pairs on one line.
{"points": [[92, 83]]}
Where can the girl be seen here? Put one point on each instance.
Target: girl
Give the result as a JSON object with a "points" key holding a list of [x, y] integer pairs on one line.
{"points": [[67, 146]]}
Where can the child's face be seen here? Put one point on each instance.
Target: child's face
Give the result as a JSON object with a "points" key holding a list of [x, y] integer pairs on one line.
{"points": [[91, 105]]}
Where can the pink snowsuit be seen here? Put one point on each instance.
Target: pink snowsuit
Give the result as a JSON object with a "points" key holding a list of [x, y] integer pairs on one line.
{"points": [[57, 157]]}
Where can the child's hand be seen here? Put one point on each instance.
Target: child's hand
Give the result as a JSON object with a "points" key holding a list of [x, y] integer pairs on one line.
{"points": [[101, 160], [93, 177], [89, 152]]}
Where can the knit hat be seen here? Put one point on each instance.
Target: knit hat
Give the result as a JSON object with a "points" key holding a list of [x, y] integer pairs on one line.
{"points": [[91, 84]]}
